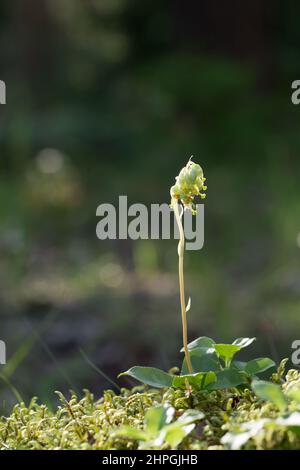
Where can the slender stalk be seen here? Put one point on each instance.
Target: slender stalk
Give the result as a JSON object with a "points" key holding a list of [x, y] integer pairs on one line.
{"points": [[181, 283]]}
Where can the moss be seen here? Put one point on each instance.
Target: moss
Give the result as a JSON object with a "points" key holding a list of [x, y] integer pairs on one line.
{"points": [[87, 423]]}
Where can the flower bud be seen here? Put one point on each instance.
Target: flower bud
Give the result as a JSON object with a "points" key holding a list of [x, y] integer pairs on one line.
{"points": [[189, 183]]}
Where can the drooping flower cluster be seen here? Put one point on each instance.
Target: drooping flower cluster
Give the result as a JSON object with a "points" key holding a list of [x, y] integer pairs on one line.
{"points": [[189, 183]]}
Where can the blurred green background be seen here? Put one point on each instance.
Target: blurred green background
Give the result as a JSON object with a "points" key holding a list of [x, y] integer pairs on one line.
{"points": [[111, 97]]}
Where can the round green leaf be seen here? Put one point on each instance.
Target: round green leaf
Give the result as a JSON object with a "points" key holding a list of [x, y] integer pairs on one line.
{"points": [[156, 417], [259, 365], [227, 378]]}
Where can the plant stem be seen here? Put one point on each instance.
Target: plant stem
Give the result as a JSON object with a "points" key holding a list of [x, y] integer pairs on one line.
{"points": [[181, 284]]}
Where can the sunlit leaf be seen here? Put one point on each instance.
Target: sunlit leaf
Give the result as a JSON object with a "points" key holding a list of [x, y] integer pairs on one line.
{"points": [[199, 343], [226, 352], [270, 392], [292, 420], [175, 434], [236, 440], [243, 342], [157, 417], [294, 394]]}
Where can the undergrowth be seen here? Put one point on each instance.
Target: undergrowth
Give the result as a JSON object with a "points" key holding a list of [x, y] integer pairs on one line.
{"points": [[217, 419]]}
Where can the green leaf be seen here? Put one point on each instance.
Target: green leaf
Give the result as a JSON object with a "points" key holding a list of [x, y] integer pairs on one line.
{"points": [[150, 376], [227, 378], [237, 439], [189, 416], [131, 433], [292, 420], [294, 394], [176, 433], [200, 343], [226, 352], [239, 365], [201, 362], [157, 417], [198, 381], [270, 392], [259, 365], [243, 342]]}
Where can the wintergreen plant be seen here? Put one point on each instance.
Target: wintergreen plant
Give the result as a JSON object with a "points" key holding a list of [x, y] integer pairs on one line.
{"points": [[214, 367], [236, 408], [207, 365], [189, 183]]}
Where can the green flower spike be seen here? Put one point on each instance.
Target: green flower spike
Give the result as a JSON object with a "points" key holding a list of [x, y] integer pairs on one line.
{"points": [[189, 184]]}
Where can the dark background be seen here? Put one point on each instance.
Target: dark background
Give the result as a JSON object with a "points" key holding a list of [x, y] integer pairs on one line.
{"points": [[111, 97]]}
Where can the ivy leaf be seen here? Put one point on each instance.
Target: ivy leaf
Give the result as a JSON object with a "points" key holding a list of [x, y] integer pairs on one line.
{"points": [[196, 381], [259, 365], [227, 378], [270, 392], [150, 376]]}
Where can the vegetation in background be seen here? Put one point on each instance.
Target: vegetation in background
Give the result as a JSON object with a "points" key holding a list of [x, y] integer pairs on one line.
{"points": [[124, 89]]}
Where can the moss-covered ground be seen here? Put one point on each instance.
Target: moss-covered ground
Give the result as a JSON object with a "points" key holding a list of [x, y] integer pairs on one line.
{"points": [[87, 423]]}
